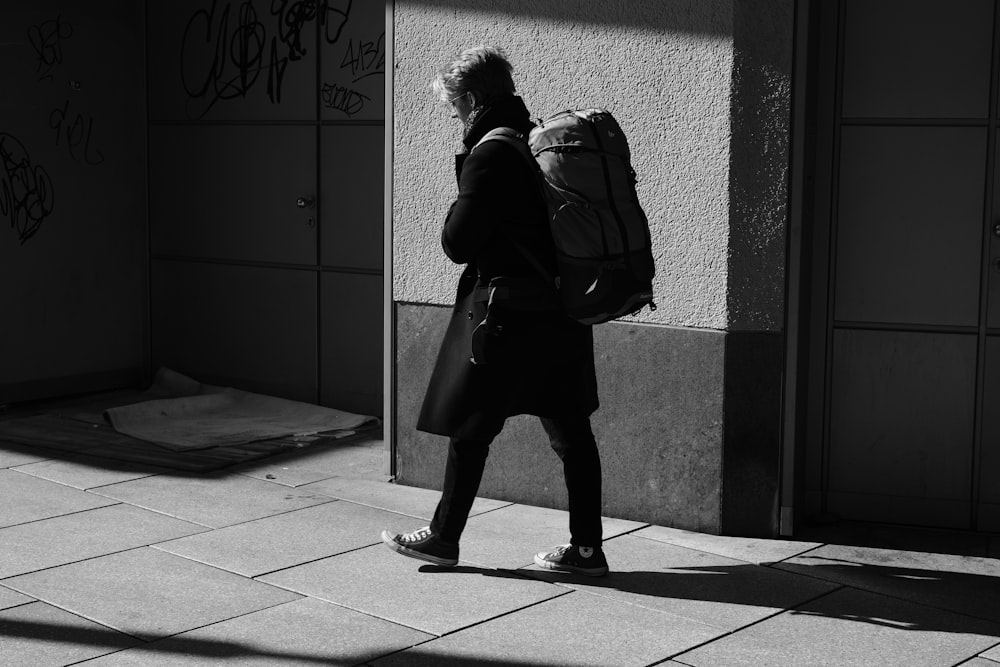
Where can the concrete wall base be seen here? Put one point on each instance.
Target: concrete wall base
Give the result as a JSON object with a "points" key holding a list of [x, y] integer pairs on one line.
{"points": [[688, 426]]}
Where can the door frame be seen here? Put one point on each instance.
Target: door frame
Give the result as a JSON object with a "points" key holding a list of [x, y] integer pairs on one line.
{"points": [[815, 145], [807, 257], [388, 309]]}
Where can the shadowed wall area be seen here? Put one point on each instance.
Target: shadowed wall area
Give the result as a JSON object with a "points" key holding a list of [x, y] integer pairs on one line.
{"points": [[690, 393]]}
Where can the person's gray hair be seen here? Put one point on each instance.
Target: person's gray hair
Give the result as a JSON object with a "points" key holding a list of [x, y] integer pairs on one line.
{"points": [[483, 71]]}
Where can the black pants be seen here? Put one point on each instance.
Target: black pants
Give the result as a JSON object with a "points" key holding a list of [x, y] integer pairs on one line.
{"points": [[572, 440]]}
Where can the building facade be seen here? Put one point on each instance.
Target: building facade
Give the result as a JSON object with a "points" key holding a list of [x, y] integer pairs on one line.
{"points": [[251, 193]]}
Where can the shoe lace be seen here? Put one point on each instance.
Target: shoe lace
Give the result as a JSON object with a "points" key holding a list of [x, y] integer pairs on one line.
{"points": [[560, 551], [418, 535]]}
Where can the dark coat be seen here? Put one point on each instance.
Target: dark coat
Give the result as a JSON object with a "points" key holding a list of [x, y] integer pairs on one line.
{"points": [[541, 362]]}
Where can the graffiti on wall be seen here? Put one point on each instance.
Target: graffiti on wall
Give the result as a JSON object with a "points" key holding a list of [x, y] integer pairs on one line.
{"points": [[225, 52], [47, 39], [229, 49], [362, 59], [25, 188], [75, 131]]}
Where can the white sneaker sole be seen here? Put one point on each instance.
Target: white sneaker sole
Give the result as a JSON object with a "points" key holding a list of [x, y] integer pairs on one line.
{"points": [[419, 555], [556, 567]]}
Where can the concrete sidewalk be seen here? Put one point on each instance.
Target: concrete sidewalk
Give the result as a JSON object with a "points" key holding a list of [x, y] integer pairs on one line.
{"points": [[280, 563]]}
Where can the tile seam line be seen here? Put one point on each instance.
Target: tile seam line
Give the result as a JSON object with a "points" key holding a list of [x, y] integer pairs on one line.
{"points": [[303, 563], [565, 591], [90, 558], [16, 469], [505, 614], [57, 516], [228, 525], [247, 474], [979, 655], [391, 511], [769, 617], [630, 531], [33, 601], [514, 571], [90, 620], [73, 459], [143, 639], [147, 642], [118, 503], [897, 597], [433, 635], [769, 564], [635, 604]]}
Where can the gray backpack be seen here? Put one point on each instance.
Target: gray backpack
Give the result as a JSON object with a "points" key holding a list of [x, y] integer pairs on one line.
{"points": [[601, 234]]}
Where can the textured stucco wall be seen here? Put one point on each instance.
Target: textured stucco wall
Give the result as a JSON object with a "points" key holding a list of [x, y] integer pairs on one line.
{"points": [[663, 67], [758, 185]]}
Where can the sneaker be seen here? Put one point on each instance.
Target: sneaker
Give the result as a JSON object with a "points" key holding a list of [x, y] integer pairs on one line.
{"points": [[423, 545], [571, 558]]}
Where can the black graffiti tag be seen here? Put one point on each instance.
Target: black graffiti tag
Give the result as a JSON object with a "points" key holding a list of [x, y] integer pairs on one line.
{"points": [[343, 99], [292, 17], [236, 55], [333, 18], [25, 189], [361, 60], [364, 58], [47, 38], [76, 131]]}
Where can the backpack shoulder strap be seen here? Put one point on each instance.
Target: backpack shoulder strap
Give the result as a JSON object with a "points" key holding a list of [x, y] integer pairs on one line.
{"points": [[515, 139]]}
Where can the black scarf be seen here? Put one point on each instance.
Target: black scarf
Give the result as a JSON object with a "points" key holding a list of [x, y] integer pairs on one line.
{"points": [[506, 111]]}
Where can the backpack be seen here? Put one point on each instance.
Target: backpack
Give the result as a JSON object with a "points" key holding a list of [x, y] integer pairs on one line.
{"points": [[601, 234]]}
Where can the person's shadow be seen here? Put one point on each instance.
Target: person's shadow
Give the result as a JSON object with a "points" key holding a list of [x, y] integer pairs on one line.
{"points": [[899, 597]]}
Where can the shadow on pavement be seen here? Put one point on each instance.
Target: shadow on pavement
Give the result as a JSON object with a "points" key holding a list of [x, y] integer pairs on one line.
{"points": [[907, 598], [207, 651]]}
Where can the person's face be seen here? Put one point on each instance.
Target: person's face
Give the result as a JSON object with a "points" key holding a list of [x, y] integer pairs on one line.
{"points": [[461, 106]]}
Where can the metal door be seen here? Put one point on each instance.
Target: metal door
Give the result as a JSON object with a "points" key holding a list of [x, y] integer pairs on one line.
{"points": [[266, 172], [909, 278]]}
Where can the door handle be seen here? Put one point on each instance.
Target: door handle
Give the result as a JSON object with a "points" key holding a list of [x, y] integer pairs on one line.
{"points": [[305, 202]]}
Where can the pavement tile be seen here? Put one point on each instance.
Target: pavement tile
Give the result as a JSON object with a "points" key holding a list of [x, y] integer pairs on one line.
{"points": [[965, 584], [39, 635], [421, 596], [574, 629], [213, 501], [87, 472], [751, 550], [408, 500], [9, 598], [510, 536], [322, 461], [306, 632], [148, 593], [24, 498], [993, 653], [703, 587], [98, 532], [13, 454], [289, 539], [851, 628], [979, 662]]}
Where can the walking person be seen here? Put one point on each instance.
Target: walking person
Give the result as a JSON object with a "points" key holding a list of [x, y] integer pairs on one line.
{"points": [[509, 349]]}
